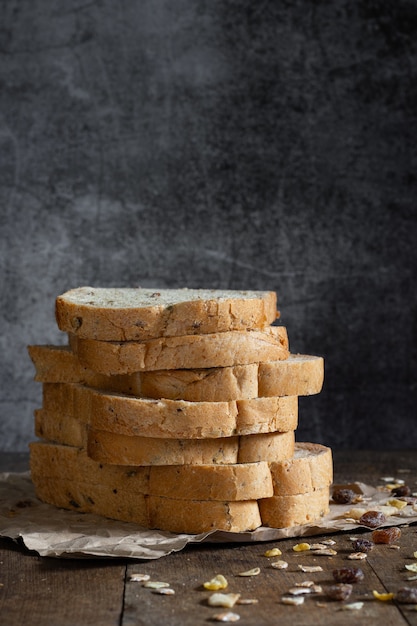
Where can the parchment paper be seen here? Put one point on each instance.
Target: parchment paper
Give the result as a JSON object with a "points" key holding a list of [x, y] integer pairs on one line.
{"points": [[56, 532]]}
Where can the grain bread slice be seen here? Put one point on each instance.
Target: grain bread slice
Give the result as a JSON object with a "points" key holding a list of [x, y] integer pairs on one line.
{"points": [[185, 352], [298, 375], [295, 510], [176, 419], [309, 470], [106, 447], [167, 514], [249, 481], [128, 314]]}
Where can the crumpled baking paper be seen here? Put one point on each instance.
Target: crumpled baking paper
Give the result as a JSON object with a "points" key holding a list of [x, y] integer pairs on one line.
{"points": [[56, 532]]}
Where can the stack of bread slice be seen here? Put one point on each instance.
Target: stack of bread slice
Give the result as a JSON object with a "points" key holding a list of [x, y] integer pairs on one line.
{"points": [[177, 410]]}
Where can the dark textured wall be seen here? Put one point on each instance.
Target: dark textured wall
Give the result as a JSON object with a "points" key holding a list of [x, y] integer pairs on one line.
{"points": [[226, 144]]}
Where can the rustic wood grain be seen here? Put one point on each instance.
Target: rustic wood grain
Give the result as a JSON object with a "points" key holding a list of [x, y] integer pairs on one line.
{"points": [[75, 592]]}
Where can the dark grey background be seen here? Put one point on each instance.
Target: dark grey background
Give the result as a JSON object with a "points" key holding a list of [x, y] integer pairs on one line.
{"points": [[226, 144]]}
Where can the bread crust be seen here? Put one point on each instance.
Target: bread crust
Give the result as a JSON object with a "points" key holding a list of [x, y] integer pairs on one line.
{"points": [[127, 314], [297, 375], [295, 510], [185, 352], [245, 481], [308, 470]]}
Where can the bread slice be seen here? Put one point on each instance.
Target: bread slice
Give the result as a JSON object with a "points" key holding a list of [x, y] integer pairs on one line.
{"points": [[167, 514], [106, 447], [297, 375], [186, 352], [127, 314], [309, 470], [245, 481], [294, 510], [178, 419]]}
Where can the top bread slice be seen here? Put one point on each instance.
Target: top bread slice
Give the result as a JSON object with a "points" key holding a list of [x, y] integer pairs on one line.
{"points": [[129, 314]]}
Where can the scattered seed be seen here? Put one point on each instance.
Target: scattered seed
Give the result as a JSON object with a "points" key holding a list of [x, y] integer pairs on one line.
{"points": [[251, 572], [412, 567], [299, 591], [139, 578], [301, 547], [305, 583], [406, 595], [318, 546], [352, 606], [247, 601], [415, 555], [325, 552], [388, 479], [155, 584], [279, 564], [293, 600], [310, 569], [218, 582], [357, 556], [329, 542], [383, 597], [412, 578], [226, 617], [165, 591], [273, 552], [226, 600]]}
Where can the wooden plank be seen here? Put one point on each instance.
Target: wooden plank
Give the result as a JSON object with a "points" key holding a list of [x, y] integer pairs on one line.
{"points": [[37, 591], [186, 572]]}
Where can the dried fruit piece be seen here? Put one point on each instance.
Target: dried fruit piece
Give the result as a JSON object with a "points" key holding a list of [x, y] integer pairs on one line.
{"points": [[372, 519], [273, 552], [401, 490], [343, 496], [406, 595], [226, 600], [339, 591], [218, 582], [386, 535], [279, 565], [362, 545], [383, 597], [301, 547], [348, 575]]}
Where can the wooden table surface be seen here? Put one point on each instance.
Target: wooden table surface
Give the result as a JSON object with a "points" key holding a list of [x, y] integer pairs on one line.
{"points": [[58, 592]]}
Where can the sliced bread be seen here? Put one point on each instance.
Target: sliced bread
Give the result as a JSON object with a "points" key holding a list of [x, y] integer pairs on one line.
{"points": [[185, 352], [127, 314]]}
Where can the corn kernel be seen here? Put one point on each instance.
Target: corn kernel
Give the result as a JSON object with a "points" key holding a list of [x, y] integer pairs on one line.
{"points": [[383, 597], [273, 552], [218, 582], [301, 547]]}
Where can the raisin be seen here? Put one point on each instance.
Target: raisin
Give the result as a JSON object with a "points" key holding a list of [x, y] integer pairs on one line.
{"points": [[362, 545], [406, 595], [372, 519], [386, 535], [343, 496], [348, 575], [339, 591], [402, 490]]}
